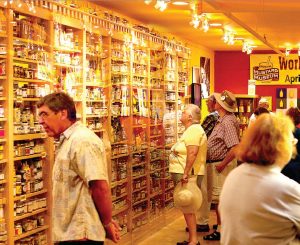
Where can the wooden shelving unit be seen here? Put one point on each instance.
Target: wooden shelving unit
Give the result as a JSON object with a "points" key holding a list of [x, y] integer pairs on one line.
{"points": [[246, 105], [119, 83]]}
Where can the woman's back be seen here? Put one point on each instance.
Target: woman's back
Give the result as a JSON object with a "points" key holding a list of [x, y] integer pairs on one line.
{"points": [[259, 205]]}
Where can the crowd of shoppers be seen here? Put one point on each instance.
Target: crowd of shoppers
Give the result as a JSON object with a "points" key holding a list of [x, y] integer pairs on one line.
{"points": [[203, 165]]}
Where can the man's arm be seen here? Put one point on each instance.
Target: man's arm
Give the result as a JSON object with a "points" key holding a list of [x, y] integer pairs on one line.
{"points": [[229, 157], [101, 195]]}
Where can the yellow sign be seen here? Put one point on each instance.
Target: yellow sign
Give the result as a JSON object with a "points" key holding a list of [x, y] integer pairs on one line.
{"points": [[273, 69]]}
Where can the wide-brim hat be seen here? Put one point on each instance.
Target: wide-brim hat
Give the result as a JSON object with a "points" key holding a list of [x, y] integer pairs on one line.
{"points": [[227, 100], [187, 196]]}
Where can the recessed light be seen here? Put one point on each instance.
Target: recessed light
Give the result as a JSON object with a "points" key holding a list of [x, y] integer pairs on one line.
{"points": [[180, 3]]}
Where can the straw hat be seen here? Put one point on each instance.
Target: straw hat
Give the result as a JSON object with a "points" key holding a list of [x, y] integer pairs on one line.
{"points": [[227, 100], [188, 197]]}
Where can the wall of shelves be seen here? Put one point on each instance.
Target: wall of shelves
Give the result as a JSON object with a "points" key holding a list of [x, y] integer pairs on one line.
{"points": [[123, 85], [246, 105]]}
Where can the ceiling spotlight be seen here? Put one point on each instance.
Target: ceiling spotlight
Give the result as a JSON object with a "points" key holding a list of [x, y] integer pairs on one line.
{"points": [[247, 47], [147, 1], [195, 21], [229, 37], [249, 50], [161, 5], [205, 24]]}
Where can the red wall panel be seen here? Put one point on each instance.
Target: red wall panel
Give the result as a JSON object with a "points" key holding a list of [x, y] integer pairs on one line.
{"points": [[232, 72]]}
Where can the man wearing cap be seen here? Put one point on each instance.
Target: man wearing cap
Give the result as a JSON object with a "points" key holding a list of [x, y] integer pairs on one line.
{"points": [[220, 155], [263, 102]]}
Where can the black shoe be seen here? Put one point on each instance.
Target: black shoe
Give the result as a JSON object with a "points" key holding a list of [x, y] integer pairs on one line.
{"points": [[183, 243], [186, 243], [200, 228], [215, 236]]}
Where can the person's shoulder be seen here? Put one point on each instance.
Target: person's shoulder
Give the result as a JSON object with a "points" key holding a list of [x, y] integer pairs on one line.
{"points": [[195, 129], [83, 133]]}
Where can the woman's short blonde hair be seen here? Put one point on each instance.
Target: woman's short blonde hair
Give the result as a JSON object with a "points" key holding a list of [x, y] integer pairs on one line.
{"points": [[267, 141], [194, 111]]}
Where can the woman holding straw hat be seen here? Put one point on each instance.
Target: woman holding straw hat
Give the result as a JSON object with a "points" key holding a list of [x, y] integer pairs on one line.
{"points": [[187, 165]]}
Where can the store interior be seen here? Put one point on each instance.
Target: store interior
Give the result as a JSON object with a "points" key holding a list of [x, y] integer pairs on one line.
{"points": [[127, 64]]}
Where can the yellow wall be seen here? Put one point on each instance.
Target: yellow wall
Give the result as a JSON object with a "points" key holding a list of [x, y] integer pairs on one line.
{"points": [[196, 53]]}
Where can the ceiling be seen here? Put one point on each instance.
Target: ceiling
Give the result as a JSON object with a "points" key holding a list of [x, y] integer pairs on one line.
{"points": [[267, 24]]}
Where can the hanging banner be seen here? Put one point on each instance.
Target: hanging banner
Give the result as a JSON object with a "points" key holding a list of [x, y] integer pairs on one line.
{"points": [[274, 69]]}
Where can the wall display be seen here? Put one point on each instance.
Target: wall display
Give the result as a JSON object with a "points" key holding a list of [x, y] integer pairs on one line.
{"points": [[205, 77], [31, 81], [121, 88], [291, 97], [196, 93], [281, 98], [272, 69], [246, 104]]}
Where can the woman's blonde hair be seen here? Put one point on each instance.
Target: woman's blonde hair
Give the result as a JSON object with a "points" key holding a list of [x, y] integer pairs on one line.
{"points": [[267, 141]]}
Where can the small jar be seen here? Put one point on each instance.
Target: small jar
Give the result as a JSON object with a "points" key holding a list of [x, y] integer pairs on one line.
{"points": [[2, 134], [18, 229]]}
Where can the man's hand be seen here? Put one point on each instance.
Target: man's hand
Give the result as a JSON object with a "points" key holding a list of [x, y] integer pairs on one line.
{"points": [[113, 231], [220, 167]]}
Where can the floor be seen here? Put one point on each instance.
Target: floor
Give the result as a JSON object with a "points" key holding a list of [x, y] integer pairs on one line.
{"points": [[175, 232]]}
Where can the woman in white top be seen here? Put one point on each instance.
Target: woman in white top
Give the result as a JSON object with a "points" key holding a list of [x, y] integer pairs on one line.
{"points": [[258, 204]]}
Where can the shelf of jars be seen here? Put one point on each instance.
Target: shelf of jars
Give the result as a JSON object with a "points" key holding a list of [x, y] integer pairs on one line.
{"points": [[120, 178], [103, 82], [120, 112], [245, 108], [96, 83], [68, 64], [170, 90], [3, 130], [120, 79], [31, 78]]}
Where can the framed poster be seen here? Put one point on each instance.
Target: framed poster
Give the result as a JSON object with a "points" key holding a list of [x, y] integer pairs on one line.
{"points": [[196, 74], [196, 87], [205, 77]]}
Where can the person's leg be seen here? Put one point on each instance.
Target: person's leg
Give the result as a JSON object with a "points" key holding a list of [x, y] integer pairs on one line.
{"points": [[190, 220], [206, 189], [218, 181], [203, 213]]}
